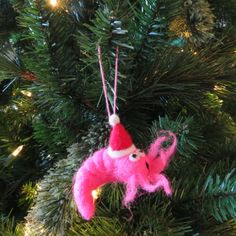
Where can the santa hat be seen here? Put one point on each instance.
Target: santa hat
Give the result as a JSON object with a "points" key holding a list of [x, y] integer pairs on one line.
{"points": [[120, 141]]}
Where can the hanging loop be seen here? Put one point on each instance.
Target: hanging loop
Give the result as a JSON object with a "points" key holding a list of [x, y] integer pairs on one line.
{"points": [[104, 82]]}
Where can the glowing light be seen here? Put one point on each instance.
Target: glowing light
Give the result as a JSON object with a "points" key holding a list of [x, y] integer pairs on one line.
{"points": [[53, 3], [14, 106], [182, 50], [96, 193], [38, 187], [195, 53], [219, 88], [17, 151], [26, 93], [186, 34]]}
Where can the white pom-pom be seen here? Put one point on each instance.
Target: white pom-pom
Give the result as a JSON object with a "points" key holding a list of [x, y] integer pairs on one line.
{"points": [[114, 119]]}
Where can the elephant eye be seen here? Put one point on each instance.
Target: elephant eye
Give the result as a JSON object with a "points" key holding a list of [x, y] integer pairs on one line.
{"points": [[134, 156]]}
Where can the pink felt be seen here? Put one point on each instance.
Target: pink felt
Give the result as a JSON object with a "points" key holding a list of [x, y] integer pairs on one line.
{"points": [[119, 138], [104, 81], [100, 169], [159, 156]]}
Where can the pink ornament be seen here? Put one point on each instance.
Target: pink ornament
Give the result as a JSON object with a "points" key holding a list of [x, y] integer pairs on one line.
{"points": [[122, 162]]}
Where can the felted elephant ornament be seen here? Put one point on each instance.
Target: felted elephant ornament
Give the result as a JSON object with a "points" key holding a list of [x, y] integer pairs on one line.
{"points": [[122, 162]]}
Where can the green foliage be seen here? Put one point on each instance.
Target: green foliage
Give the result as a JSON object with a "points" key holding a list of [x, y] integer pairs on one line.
{"points": [[154, 217], [16, 130], [211, 192], [29, 192], [98, 227], [211, 228], [7, 17], [189, 136], [53, 209], [50, 134], [162, 85], [9, 64], [55, 106], [8, 227], [224, 193], [15, 120], [62, 43], [218, 127], [7, 67], [46, 216], [225, 10]]}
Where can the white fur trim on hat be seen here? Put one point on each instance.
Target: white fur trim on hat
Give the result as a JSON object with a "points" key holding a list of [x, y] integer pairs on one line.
{"points": [[116, 154]]}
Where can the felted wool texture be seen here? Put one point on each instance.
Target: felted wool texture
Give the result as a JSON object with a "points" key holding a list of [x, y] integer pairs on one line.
{"points": [[119, 138], [143, 171]]}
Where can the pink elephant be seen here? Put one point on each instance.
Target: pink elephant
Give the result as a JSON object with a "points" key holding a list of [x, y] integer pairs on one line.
{"points": [[122, 162]]}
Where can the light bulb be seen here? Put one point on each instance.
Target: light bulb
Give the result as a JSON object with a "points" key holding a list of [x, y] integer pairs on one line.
{"points": [[17, 151], [96, 193], [26, 93], [53, 3]]}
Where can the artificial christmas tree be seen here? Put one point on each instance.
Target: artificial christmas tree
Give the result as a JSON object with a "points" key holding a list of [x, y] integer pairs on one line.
{"points": [[7, 17], [176, 72]]}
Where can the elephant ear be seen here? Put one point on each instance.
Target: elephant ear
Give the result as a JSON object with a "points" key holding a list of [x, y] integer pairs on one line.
{"points": [[160, 154]]}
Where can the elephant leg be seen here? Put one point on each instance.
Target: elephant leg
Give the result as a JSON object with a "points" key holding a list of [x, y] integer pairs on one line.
{"points": [[165, 184], [131, 191], [160, 181], [146, 185]]}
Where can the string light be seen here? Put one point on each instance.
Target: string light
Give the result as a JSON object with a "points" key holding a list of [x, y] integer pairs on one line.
{"points": [[96, 193], [219, 88], [186, 34], [195, 53], [17, 151], [53, 3], [26, 93]]}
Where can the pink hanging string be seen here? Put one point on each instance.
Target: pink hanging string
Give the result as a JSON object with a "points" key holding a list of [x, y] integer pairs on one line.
{"points": [[115, 81], [104, 81]]}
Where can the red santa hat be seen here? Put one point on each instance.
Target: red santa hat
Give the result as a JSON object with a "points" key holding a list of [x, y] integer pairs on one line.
{"points": [[120, 141]]}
